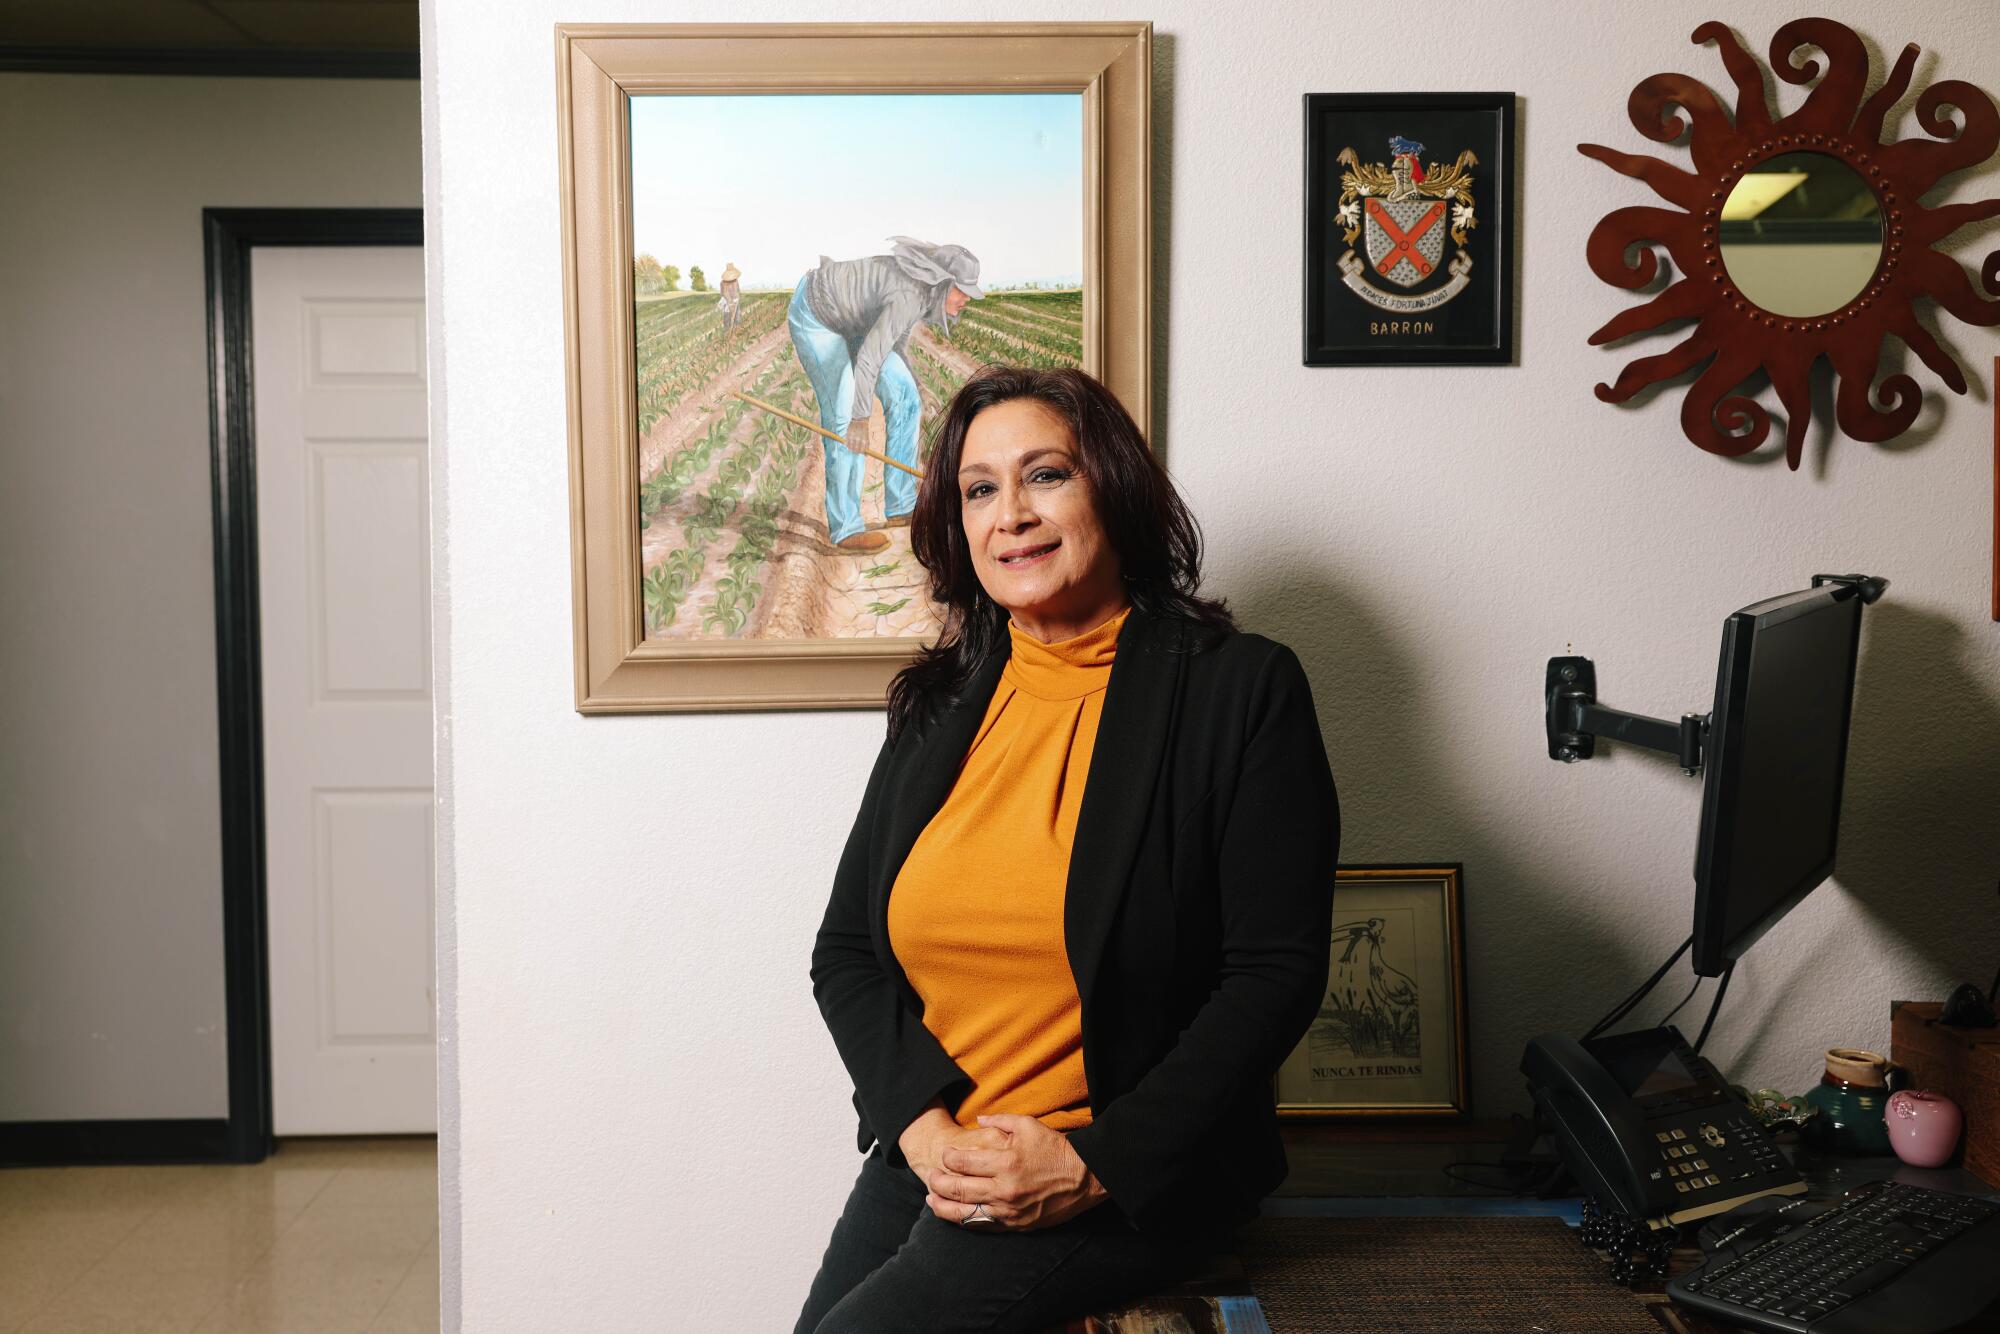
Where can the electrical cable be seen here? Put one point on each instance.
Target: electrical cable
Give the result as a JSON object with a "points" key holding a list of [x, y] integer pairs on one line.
{"points": [[1624, 1007], [1520, 1171], [1721, 989], [1677, 1009]]}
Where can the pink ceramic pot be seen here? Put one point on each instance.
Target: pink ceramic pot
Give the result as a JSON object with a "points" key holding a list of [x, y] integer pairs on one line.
{"points": [[1923, 1127]]}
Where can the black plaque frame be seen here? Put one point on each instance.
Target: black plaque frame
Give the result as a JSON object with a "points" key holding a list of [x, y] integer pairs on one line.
{"points": [[1341, 328]]}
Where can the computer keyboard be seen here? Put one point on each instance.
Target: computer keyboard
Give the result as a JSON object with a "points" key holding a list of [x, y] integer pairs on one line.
{"points": [[1887, 1257]]}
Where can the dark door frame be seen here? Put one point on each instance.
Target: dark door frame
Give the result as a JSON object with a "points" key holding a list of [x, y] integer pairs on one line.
{"points": [[229, 236], [257, 62]]}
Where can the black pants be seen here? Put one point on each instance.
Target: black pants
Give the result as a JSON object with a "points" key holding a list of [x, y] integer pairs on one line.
{"points": [[894, 1266]]}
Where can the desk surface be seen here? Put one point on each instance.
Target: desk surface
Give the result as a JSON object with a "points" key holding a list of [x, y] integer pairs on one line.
{"points": [[1342, 1172]]}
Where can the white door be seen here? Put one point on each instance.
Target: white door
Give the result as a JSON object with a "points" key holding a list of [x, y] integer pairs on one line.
{"points": [[344, 580]]}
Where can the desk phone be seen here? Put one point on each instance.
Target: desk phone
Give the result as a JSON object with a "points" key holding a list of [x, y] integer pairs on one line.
{"points": [[1648, 1126]]}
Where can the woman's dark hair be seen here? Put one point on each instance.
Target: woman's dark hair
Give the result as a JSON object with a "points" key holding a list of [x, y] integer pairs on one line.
{"points": [[1150, 527]]}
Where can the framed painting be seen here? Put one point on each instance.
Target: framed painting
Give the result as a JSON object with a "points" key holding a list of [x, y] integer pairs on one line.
{"points": [[1409, 228], [1389, 1039], [784, 248]]}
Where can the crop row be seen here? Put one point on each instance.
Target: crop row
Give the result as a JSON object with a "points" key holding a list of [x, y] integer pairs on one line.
{"points": [[680, 322], [736, 593], [1049, 340], [985, 345], [770, 441], [1069, 304], [938, 380], [1058, 321], [671, 376], [648, 313], [672, 478], [666, 486]]}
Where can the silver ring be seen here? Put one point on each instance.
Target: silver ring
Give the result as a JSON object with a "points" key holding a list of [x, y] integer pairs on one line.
{"points": [[978, 1216]]}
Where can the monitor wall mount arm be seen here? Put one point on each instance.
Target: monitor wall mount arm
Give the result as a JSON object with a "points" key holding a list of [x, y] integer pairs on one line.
{"points": [[1576, 720]]}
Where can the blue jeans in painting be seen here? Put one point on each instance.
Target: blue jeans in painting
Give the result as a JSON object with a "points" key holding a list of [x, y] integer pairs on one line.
{"points": [[829, 364]]}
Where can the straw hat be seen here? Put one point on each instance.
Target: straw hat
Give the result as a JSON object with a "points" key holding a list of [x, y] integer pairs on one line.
{"points": [[730, 273]]}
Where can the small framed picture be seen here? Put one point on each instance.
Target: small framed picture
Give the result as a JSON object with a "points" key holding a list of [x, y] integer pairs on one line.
{"points": [[1389, 1039], [1409, 229]]}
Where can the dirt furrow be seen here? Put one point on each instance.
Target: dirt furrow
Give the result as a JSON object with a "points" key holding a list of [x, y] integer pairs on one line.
{"points": [[817, 592]]}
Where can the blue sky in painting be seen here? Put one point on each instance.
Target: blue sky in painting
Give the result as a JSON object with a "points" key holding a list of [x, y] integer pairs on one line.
{"points": [[773, 182]]}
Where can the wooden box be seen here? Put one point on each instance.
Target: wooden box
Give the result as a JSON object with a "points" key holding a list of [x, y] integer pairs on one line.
{"points": [[1961, 1063]]}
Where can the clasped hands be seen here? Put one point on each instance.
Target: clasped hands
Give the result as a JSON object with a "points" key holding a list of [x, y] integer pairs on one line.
{"points": [[1025, 1175]]}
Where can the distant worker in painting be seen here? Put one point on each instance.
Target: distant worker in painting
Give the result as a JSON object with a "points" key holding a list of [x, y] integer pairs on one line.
{"points": [[851, 320], [732, 296]]}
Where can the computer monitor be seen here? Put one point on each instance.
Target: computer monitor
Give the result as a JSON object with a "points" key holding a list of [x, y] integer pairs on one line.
{"points": [[1774, 748], [1775, 753]]}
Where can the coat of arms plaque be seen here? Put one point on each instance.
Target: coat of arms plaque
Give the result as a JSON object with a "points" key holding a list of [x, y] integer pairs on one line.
{"points": [[1407, 228]]}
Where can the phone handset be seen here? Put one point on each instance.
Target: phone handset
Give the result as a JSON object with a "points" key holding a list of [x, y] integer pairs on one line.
{"points": [[1599, 1133]]}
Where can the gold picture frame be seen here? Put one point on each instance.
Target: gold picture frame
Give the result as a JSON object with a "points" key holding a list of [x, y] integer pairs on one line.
{"points": [[1376, 1050], [600, 68]]}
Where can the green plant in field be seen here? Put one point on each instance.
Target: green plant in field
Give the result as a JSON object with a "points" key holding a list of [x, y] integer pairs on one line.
{"points": [[730, 611], [684, 566], [877, 571], [710, 513], [661, 605], [886, 608], [667, 584]]}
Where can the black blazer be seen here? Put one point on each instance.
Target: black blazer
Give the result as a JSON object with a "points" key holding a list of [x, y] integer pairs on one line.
{"points": [[1197, 919]]}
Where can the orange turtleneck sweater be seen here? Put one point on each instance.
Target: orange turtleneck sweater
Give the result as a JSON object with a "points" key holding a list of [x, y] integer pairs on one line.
{"points": [[976, 913]]}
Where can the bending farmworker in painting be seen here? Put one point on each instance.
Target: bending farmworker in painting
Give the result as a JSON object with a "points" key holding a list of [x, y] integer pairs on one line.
{"points": [[851, 320]]}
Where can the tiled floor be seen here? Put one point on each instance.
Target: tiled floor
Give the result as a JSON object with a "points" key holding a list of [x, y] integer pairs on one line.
{"points": [[330, 1236]]}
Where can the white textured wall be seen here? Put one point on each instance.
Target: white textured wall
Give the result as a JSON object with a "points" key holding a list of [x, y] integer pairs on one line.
{"points": [[653, 1128], [111, 1001]]}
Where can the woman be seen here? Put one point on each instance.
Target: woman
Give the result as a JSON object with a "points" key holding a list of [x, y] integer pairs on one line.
{"points": [[1061, 1001]]}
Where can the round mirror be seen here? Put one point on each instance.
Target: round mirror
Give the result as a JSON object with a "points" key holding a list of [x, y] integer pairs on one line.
{"points": [[1801, 234]]}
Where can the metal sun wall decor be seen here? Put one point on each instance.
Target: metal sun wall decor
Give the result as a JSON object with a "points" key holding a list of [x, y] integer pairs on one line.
{"points": [[1733, 334]]}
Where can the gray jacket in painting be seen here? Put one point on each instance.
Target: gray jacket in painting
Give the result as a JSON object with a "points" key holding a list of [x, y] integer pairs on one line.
{"points": [[875, 305]]}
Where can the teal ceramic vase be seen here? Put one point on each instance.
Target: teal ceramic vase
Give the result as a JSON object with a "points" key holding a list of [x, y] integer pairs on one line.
{"points": [[1853, 1099]]}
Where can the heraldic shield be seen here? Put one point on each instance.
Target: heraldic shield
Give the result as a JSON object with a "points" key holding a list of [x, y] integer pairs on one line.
{"points": [[1405, 240], [1405, 214]]}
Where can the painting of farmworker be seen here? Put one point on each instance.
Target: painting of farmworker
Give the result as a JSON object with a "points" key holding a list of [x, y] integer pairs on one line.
{"points": [[813, 278]]}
